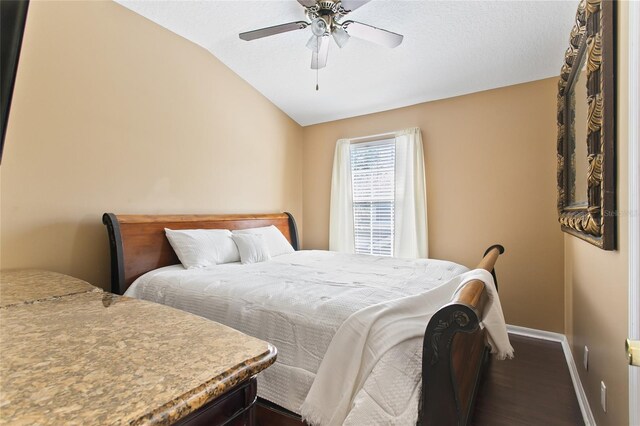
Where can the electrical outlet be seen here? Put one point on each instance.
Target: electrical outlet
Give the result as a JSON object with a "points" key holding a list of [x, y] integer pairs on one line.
{"points": [[603, 396], [586, 358]]}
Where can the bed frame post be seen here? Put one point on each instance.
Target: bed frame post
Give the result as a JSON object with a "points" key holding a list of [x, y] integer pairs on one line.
{"points": [[454, 354], [293, 231], [117, 256], [500, 250]]}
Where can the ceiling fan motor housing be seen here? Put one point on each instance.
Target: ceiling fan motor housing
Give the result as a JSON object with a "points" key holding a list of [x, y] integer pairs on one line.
{"points": [[327, 10], [328, 7]]}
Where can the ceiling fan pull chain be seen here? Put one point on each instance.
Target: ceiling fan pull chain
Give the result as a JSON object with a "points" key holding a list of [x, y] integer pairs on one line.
{"points": [[317, 72]]}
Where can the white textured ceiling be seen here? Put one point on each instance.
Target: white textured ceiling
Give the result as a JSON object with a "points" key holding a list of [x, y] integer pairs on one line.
{"points": [[450, 48]]}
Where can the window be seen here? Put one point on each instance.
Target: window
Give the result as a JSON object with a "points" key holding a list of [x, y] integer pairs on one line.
{"points": [[376, 207], [373, 185]]}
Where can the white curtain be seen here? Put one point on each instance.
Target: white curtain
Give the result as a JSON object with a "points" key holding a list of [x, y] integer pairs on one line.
{"points": [[341, 236], [410, 233]]}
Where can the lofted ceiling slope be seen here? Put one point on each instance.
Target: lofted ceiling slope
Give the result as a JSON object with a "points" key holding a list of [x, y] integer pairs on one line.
{"points": [[450, 48]]}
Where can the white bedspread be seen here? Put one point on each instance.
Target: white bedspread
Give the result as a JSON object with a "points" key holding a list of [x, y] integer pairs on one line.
{"points": [[297, 302]]}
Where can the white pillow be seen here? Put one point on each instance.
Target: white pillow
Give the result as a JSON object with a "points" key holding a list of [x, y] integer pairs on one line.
{"points": [[253, 248], [199, 248], [276, 242]]}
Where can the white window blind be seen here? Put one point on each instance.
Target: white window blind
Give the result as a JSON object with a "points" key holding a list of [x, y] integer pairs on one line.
{"points": [[373, 183]]}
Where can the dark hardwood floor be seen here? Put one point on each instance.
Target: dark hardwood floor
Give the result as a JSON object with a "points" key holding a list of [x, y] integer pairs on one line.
{"points": [[534, 388]]}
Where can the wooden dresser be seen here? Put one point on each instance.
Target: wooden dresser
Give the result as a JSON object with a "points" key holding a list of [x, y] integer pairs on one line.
{"points": [[73, 354]]}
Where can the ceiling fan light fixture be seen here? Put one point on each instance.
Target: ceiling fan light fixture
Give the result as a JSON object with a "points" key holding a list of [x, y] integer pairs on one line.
{"points": [[340, 36], [318, 27], [314, 44]]}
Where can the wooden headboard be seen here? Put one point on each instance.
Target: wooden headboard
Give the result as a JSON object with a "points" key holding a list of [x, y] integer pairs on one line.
{"points": [[138, 243]]}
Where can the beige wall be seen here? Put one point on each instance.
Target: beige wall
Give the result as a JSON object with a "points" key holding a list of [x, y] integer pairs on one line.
{"points": [[596, 281], [490, 168], [111, 112]]}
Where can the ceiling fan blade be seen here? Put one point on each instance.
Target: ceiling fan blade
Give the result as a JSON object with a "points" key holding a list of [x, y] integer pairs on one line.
{"points": [[276, 29], [319, 60], [307, 3], [351, 5], [373, 34]]}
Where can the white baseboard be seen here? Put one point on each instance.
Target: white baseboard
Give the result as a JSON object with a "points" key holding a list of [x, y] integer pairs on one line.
{"points": [[583, 402]]}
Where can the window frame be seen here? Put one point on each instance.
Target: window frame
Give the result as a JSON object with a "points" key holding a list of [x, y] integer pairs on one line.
{"points": [[374, 249]]}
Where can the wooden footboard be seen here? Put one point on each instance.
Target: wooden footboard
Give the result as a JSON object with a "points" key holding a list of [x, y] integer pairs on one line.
{"points": [[454, 354]]}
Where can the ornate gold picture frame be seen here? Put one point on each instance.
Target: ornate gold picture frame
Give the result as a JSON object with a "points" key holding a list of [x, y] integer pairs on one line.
{"points": [[591, 43]]}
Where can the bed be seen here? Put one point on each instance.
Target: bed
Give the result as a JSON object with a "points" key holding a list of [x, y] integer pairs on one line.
{"points": [[453, 354]]}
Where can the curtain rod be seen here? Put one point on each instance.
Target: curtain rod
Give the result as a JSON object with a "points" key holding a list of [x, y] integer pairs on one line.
{"points": [[372, 137]]}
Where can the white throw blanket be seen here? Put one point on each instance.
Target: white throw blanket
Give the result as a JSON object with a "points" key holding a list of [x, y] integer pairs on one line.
{"points": [[371, 332]]}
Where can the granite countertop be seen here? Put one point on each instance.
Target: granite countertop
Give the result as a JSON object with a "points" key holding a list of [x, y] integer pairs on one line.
{"points": [[91, 357], [25, 286]]}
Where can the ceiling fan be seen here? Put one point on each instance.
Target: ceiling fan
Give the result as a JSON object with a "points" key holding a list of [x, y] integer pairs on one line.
{"points": [[326, 20]]}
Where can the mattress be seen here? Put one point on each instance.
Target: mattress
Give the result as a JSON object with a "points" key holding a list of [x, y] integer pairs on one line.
{"points": [[297, 302]]}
